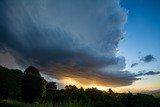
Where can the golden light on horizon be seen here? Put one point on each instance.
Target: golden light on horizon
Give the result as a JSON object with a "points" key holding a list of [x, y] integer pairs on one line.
{"points": [[135, 87], [72, 81]]}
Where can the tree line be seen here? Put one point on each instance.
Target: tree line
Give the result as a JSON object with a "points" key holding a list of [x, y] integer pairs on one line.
{"points": [[29, 86]]}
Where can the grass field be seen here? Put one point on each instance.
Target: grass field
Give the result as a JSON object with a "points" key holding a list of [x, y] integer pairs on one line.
{"points": [[11, 103]]}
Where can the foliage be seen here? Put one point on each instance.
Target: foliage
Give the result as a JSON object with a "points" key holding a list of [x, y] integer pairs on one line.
{"points": [[33, 86], [10, 83], [51, 86], [144, 100], [32, 70]]}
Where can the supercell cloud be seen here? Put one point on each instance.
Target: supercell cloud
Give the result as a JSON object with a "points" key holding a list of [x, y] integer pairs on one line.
{"points": [[67, 38]]}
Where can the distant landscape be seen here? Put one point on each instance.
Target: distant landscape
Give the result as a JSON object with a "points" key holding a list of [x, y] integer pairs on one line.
{"points": [[30, 89], [155, 93]]}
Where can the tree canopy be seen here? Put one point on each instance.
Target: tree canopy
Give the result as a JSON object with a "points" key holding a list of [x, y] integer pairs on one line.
{"points": [[30, 86]]}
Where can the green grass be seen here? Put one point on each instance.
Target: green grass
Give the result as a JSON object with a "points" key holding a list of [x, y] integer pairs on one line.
{"points": [[50, 104], [11, 103]]}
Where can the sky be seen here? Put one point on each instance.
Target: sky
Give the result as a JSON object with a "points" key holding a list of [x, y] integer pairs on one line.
{"points": [[108, 43], [142, 38]]}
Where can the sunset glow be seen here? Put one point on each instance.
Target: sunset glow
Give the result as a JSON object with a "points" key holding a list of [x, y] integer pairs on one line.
{"points": [[100, 43], [80, 53]]}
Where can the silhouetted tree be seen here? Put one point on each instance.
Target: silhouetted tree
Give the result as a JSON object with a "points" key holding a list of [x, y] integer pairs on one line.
{"points": [[126, 99], [110, 91], [33, 85], [51, 92], [51, 86], [10, 83], [32, 70], [144, 100]]}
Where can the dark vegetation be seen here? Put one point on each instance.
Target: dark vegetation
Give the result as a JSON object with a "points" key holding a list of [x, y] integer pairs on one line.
{"points": [[29, 87]]}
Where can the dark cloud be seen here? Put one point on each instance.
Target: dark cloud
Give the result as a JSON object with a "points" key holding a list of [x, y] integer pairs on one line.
{"points": [[152, 73], [114, 79], [142, 73], [76, 39], [133, 65], [148, 58]]}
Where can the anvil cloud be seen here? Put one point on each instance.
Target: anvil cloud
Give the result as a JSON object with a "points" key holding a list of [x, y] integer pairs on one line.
{"points": [[67, 38]]}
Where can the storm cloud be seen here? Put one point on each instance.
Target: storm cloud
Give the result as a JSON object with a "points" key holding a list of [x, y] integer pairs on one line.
{"points": [[148, 58], [67, 38]]}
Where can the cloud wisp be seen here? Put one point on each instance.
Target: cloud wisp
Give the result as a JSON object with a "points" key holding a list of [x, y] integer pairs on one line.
{"points": [[143, 73], [76, 39], [134, 64], [145, 59], [148, 58]]}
